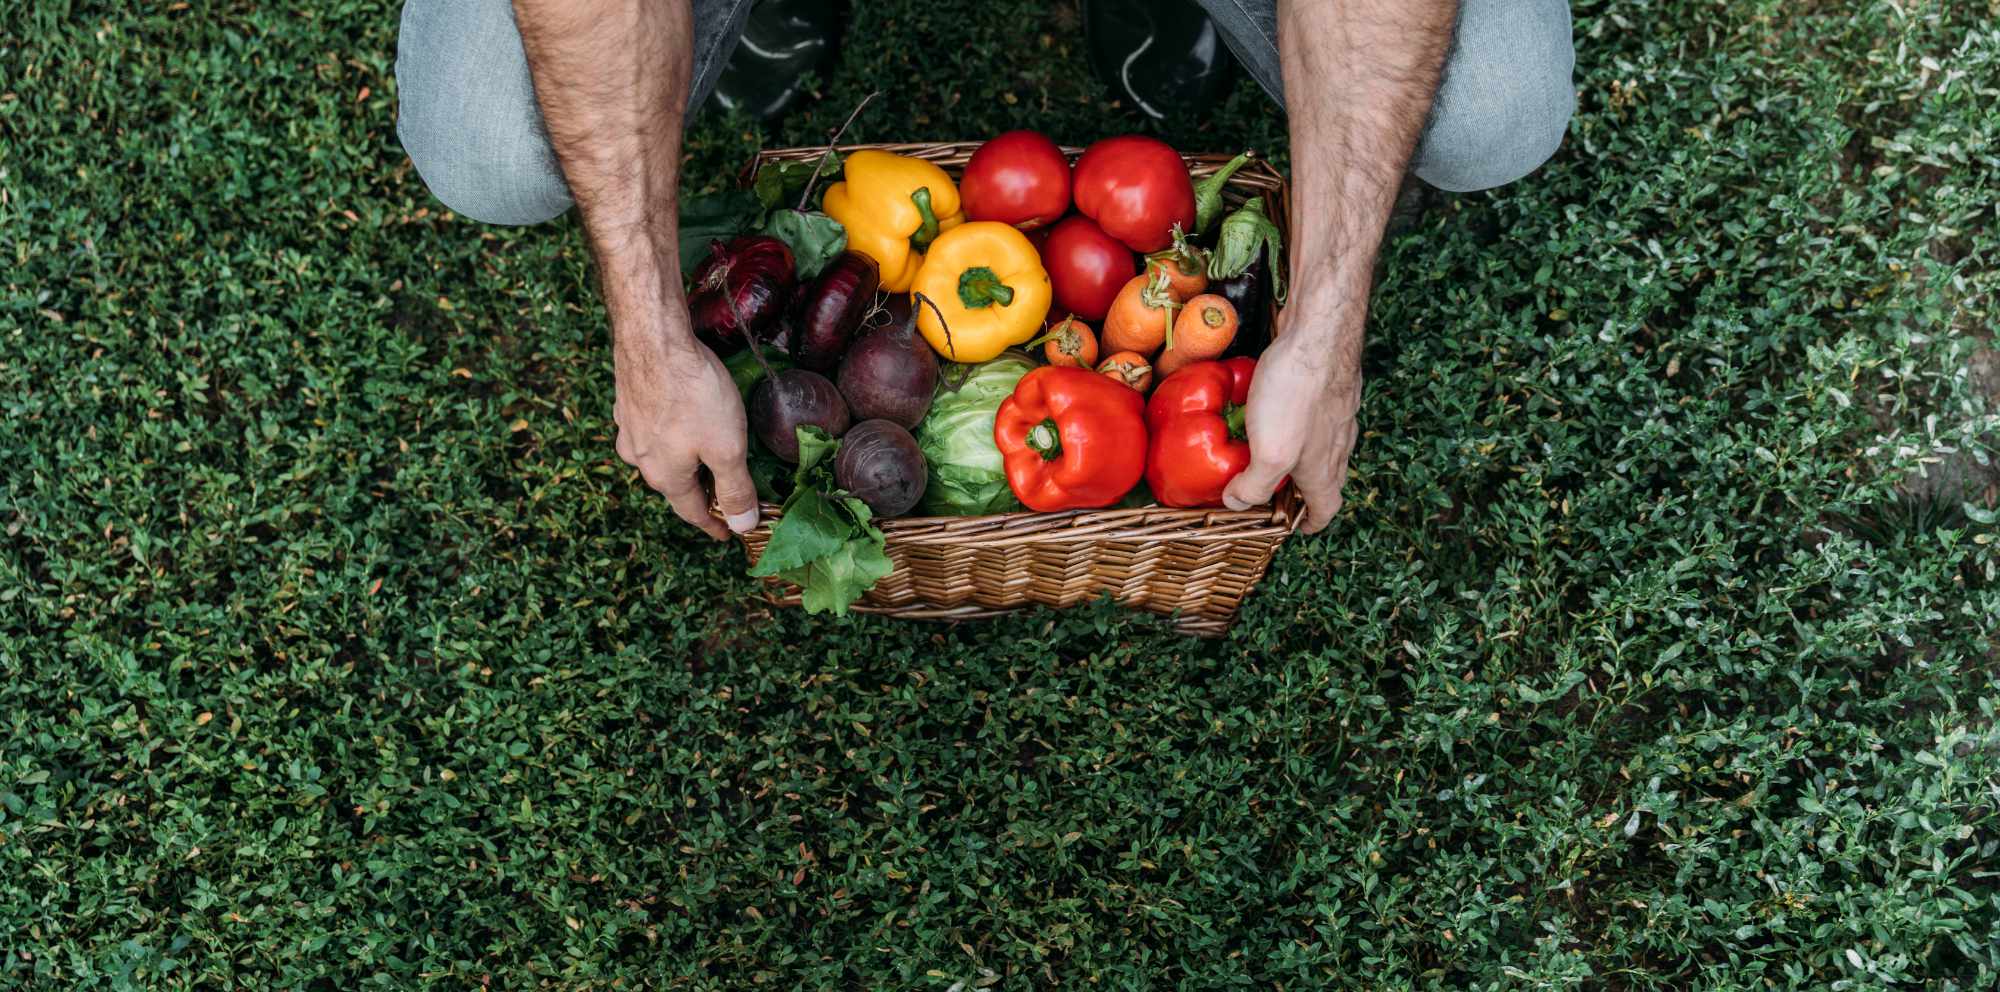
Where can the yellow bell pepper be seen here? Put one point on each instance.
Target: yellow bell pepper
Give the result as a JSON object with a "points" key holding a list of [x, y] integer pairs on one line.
{"points": [[893, 206], [988, 282]]}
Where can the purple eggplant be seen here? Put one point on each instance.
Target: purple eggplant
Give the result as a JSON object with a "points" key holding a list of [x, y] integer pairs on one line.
{"points": [[1250, 293]]}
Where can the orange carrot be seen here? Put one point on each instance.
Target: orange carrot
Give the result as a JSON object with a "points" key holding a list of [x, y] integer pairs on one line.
{"points": [[1070, 342], [1141, 315], [1206, 326], [1130, 368], [1180, 280], [1171, 361], [1185, 265]]}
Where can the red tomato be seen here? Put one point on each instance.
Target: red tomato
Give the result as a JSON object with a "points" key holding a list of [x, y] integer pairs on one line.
{"points": [[1136, 188], [1087, 268], [1019, 178]]}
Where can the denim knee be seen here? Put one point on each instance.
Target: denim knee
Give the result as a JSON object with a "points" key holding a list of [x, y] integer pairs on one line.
{"points": [[1506, 98], [467, 114]]}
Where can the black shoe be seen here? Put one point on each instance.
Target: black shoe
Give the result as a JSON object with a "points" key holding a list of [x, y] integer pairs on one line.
{"points": [[1413, 200], [1165, 56], [783, 41]]}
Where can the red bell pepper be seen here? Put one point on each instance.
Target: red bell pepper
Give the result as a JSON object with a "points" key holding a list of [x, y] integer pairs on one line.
{"points": [[1195, 423], [1071, 439]]}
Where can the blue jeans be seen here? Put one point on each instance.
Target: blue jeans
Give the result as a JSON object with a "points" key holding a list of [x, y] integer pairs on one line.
{"points": [[469, 121]]}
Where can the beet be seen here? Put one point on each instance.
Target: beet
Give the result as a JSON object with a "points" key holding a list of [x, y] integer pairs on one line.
{"points": [[743, 286], [829, 312], [785, 401], [896, 308], [890, 373], [880, 463]]}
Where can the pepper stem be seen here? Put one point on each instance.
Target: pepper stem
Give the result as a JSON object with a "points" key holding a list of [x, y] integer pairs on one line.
{"points": [[929, 230], [1233, 415], [981, 287], [1046, 439]]}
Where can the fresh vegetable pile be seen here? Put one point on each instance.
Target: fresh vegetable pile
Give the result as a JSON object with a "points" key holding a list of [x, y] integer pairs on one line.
{"points": [[887, 345]]}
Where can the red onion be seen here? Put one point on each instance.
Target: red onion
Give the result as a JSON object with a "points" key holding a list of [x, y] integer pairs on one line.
{"points": [[830, 310], [749, 278]]}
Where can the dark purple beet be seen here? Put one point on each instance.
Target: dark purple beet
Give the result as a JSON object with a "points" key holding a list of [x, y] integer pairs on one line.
{"points": [[1250, 293], [880, 463], [743, 285], [890, 373], [785, 401], [895, 309], [829, 312]]}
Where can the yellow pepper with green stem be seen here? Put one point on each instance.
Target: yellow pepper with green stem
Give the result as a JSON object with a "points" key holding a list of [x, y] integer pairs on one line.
{"points": [[987, 281], [893, 207]]}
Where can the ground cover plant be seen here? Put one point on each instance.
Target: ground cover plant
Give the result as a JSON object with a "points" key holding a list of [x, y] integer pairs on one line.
{"points": [[1654, 650]]}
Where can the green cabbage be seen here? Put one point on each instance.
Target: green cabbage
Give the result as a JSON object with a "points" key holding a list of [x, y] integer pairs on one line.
{"points": [[967, 477]]}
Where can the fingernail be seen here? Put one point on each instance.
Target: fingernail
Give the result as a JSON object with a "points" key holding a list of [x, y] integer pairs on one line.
{"points": [[1232, 503], [743, 523]]}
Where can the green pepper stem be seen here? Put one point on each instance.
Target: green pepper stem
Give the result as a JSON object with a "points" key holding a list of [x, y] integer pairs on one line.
{"points": [[1046, 439], [928, 231], [981, 287], [1233, 415]]}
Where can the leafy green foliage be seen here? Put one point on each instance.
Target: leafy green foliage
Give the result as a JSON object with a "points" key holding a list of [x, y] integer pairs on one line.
{"points": [[714, 216], [815, 238], [339, 651], [777, 183], [824, 543]]}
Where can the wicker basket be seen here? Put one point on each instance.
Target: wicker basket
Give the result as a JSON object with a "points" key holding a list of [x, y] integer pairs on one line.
{"points": [[1196, 565]]}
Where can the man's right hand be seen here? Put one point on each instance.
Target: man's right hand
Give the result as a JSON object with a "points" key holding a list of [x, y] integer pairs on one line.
{"points": [[677, 410]]}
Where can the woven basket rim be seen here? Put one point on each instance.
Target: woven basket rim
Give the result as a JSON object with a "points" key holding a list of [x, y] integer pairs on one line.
{"points": [[1281, 517]]}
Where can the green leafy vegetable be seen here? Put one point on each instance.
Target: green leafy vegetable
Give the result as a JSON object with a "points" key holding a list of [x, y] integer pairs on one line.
{"points": [[815, 446], [713, 217], [813, 237], [823, 541], [1244, 233], [1208, 194], [833, 582], [967, 477], [778, 182], [811, 528]]}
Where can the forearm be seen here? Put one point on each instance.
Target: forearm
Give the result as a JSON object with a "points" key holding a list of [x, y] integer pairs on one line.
{"points": [[612, 79], [1359, 79]]}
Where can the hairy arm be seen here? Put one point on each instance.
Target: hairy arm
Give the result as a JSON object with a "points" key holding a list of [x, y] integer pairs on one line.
{"points": [[612, 78], [1359, 79]]}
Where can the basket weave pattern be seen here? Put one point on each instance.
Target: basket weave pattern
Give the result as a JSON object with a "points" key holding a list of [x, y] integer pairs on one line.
{"points": [[1194, 564]]}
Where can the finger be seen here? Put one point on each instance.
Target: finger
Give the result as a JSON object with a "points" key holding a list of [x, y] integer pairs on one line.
{"points": [[1322, 502], [735, 493], [1322, 499], [1254, 485], [1325, 498], [683, 491]]}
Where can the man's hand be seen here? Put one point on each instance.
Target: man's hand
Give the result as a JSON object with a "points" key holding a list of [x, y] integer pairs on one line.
{"points": [[678, 410], [1300, 417], [1359, 79], [612, 79]]}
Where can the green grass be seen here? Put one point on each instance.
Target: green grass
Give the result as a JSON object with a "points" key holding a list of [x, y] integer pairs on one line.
{"points": [[338, 651]]}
